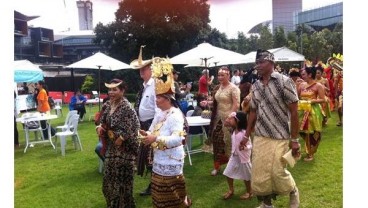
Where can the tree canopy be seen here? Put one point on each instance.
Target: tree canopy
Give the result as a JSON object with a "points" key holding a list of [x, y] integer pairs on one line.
{"points": [[166, 27]]}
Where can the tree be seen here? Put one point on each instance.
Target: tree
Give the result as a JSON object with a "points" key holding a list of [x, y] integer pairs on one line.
{"points": [[279, 38], [87, 84], [336, 39], [265, 40], [166, 27]]}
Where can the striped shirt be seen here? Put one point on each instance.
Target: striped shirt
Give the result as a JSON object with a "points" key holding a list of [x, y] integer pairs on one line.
{"points": [[271, 104]]}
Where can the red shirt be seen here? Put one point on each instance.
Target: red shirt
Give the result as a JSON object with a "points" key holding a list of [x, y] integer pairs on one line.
{"points": [[202, 85]]}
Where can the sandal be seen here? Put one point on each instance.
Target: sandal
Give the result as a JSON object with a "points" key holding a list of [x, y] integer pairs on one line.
{"points": [[308, 158], [188, 201], [214, 172], [228, 195], [246, 196]]}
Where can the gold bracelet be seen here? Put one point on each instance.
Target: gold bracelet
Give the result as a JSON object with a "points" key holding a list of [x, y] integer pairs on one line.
{"points": [[122, 138], [295, 140]]}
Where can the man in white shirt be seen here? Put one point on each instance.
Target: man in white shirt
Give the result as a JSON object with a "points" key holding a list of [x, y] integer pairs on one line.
{"points": [[236, 78], [146, 109]]}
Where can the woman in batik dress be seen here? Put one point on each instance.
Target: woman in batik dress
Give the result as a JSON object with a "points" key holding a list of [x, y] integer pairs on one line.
{"points": [[119, 126]]}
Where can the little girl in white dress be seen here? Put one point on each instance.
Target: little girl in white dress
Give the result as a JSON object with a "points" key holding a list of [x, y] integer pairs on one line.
{"points": [[239, 165]]}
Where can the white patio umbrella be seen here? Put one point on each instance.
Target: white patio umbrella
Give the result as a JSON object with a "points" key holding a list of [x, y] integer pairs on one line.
{"points": [[26, 71], [99, 61], [207, 55], [282, 54]]}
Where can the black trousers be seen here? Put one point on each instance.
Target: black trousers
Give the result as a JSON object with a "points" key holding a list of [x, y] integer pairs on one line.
{"points": [[81, 110], [16, 135]]}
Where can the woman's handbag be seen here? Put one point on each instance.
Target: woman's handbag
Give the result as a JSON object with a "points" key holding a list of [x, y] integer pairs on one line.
{"points": [[32, 124], [207, 113]]}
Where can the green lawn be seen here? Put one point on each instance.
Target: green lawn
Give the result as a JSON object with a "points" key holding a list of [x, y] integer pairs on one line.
{"points": [[44, 178]]}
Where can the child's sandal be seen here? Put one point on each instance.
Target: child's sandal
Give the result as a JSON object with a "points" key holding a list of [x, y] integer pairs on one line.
{"points": [[228, 195], [246, 196]]}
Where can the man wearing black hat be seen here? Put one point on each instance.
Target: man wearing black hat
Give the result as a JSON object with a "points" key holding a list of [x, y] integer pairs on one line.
{"points": [[273, 106]]}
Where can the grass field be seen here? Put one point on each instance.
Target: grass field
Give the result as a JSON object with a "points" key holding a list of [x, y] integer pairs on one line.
{"points": [[44, 178]]}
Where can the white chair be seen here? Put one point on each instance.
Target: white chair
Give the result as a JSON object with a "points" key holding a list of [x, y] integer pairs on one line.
{"points": [[68, 132], [189, 113], [58, 107], [95, 94], [189, 97], [68, 116]]}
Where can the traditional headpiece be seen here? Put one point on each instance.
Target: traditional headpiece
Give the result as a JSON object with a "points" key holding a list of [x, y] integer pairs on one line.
{"points": [[336, 61], [140, 63], [307, 63], [293, 70], [163, 76], [224, 70], [114, 83], [264, 55]]}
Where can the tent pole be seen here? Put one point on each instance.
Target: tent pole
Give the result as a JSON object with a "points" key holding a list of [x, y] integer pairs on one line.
{"points": [[72, 75], [99, 87]]}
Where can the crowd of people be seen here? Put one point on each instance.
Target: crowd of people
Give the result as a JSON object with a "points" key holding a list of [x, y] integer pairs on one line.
{"points": [[257, 119]]}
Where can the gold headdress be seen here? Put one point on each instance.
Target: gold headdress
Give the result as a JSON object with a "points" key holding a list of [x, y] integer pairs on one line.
{"points": [[336, 61], [162, 73], [293, 70], [307, 63], [140, 63]]}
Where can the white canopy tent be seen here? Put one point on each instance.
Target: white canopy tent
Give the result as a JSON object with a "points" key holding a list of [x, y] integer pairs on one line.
{"points": [[282, 54]]}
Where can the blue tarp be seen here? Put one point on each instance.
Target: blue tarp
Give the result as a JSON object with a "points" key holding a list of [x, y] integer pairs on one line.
{"points": [[26, 71]]}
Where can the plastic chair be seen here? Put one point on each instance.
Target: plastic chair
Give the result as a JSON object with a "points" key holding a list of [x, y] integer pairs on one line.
{"points": [[189, 113], [58, 107], [95, 94], [189, 97], [70, 113], [68, 132]]}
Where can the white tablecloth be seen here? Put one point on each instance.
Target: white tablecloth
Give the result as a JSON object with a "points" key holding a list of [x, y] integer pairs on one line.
{"points": [[198, 121]]}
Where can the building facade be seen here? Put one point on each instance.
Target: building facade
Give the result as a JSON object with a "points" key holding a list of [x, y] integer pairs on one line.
{"points": [[85, 17], [284, 12], [323, 17]]}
